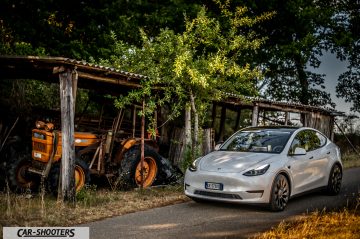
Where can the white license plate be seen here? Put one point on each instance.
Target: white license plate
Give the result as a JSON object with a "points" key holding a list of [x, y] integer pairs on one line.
{"points": [[37, 155], [214, 186]]}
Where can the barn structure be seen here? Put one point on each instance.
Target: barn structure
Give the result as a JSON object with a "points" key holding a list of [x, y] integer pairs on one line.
{"points": [[73, 74]]}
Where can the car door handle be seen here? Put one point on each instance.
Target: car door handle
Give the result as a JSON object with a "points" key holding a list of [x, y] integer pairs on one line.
{"points": [[328, 152], [311, 157]]}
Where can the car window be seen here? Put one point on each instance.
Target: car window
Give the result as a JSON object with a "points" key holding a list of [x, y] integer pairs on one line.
{"points": [[265, 140], [308, 140], [322, 139]]}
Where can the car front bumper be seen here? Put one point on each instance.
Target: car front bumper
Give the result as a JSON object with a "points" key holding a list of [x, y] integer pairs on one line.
{"points": [[236, 187]]}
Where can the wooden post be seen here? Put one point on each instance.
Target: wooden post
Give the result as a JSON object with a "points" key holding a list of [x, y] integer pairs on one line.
{"points": [[286, 117], [255, 115], [68, 80], [142, 144], [133, 114], [237, 122], [222, 124], [213, 115]]}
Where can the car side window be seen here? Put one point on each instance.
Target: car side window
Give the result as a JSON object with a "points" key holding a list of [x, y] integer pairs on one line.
{"points": [[308, 140], [322, 139]]}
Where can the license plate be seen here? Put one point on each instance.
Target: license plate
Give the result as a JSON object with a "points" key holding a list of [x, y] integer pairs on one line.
{"points": [[214, 186]]}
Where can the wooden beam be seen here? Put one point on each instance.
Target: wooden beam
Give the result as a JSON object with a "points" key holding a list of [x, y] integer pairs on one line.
{"points": [[67, 192], [108, 80], [255, 115]]}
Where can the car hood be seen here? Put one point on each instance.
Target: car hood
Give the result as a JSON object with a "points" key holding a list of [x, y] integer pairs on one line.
{"points": [[231, 162]]}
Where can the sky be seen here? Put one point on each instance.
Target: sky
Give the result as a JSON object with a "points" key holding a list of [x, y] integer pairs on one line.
{"points": [[333, 67]]}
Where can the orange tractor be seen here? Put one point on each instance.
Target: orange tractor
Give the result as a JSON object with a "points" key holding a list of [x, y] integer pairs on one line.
{"points": [[112, 154]]}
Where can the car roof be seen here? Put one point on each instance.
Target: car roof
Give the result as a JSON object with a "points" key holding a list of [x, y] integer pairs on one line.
{"points": [[274, 127]]}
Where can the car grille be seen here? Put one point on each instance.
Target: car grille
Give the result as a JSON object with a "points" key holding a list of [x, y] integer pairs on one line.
{"points": [[217, 195], [39, 147]]}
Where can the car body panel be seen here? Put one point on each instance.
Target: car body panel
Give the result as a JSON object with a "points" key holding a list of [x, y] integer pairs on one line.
{"points": [[304, 172]]}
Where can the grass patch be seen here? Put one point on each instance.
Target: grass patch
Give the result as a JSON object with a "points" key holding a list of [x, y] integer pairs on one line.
{"points": [[323, 225], [92, 204], [341, 224], [351, 160]]}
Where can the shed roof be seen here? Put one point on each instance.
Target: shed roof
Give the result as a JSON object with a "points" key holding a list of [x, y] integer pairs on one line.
{"points": [[112, 79], [234, 100], [45, 69]]}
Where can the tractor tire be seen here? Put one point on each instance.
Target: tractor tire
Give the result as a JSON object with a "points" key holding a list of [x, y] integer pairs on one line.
{"points": [[130, 172], [82, 176], [20, 180]]}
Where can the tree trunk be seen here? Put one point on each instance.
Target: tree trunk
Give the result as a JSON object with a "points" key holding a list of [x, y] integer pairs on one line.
{"points": [[304, 83], [188, 126], [196, 126]]}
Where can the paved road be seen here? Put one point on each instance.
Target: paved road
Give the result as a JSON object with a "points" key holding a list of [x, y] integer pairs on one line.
{"points": [[217, 220]]}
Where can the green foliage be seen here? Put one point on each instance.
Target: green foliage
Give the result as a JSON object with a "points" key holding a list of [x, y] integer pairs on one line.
{"points": [[297, 35], [88, 196], [346, 38], [202, 61]]}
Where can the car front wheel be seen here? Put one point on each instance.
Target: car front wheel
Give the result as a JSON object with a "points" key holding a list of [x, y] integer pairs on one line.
{"points": [[280, 193]]}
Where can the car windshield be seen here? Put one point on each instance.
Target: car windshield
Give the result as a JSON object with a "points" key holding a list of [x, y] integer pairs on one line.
{"points": [[258, 140]]}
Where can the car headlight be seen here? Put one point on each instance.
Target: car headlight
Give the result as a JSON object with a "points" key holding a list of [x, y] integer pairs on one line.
{"points": [[257, 171], [193, 167]]}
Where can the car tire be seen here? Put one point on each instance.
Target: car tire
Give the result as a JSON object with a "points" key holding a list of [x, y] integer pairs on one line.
{"points": [[334, 183], [280, 193]]}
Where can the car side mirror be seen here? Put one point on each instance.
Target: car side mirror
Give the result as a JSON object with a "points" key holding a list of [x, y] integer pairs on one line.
{"points": [[217, 147], [299, 151]]}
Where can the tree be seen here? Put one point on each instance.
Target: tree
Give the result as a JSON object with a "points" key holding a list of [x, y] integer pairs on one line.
{"points": [[81, 29], [347, 46], [297, 36], [196, 66]]}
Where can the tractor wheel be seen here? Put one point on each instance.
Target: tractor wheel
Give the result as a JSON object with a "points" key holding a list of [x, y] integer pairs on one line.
{"points": [[20, 179], [82, 176], [131, 167]]}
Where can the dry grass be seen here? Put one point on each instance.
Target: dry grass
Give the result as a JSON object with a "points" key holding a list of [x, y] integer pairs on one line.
{"points": [[351, 160], [35, 210], [343, 224], [322, 225]]}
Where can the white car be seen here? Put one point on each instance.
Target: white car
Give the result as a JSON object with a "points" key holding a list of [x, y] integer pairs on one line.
{"points": [[266, 165]]}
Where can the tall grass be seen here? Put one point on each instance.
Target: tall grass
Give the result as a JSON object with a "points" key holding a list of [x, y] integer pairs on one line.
{"points": [[41, 209], [341, 224], [323, 225], [351, 159]]}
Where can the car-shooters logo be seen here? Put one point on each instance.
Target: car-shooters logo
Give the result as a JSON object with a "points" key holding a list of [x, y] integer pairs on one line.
{"points": [[46, 232]]}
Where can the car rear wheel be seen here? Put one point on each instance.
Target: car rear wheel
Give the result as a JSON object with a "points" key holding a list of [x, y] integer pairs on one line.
{"points": [[280, 193], [335, 177]]}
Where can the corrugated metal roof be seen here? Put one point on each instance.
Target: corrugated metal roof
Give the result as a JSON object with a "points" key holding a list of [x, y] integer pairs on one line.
{"points": [[106, 68], [289, 104], [67, 61]]}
